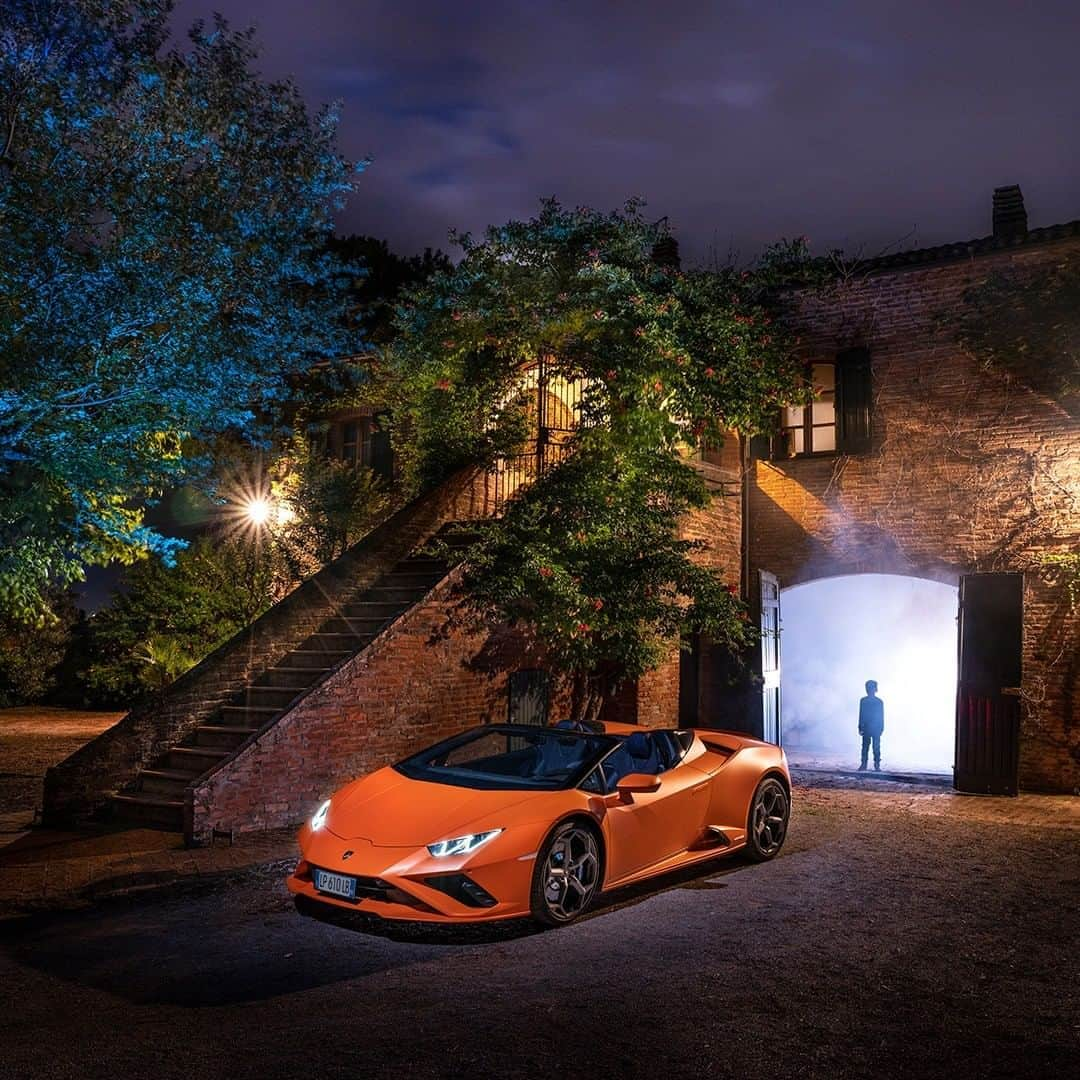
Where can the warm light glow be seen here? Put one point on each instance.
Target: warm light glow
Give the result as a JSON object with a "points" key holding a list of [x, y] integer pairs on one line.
{"points": [[837, 633], [258, 511]]}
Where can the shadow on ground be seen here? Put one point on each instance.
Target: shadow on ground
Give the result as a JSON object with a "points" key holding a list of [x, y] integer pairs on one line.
{"points": [[194, 948]]}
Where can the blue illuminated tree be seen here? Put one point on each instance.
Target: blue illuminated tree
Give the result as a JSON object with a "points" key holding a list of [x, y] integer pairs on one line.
{"points": [[164, 269]]}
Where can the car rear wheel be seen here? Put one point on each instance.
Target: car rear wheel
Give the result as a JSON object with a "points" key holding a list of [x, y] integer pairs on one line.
{"points": [[767, 824], [566, 877]]}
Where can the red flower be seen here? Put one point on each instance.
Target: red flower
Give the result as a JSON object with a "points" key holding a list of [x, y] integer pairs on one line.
{"points": [[443, 384], [546, 571], [597, 604], [611, 374], [456, 316], [709, 373], [731, 587], [597, 314], [583, 627], [658, 386]]}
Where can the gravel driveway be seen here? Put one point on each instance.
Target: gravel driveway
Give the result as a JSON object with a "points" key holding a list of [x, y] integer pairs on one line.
{"points": [[904, 931], [32, 739]]}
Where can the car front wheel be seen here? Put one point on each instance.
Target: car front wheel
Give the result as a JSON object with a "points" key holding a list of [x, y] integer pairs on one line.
{"points": [[767, 824], [566, 877]]}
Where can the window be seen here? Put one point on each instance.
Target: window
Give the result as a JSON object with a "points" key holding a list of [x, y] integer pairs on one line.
{"points": [[811, 429], [362, 441], [839, 418]]}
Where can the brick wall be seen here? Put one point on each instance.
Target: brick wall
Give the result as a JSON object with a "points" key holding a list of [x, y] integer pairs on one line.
{"points": [[966, 473], [426, 677], [80, 784]]}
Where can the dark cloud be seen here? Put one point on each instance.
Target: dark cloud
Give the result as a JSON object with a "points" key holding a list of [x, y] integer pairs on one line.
{"points": [[857, 123]]}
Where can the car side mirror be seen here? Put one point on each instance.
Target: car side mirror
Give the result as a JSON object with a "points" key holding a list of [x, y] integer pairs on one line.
{"points": [[636, 782]]}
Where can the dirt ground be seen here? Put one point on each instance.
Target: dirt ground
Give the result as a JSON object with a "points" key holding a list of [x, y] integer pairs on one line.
{"points": [[903, 931], [32, 739]]}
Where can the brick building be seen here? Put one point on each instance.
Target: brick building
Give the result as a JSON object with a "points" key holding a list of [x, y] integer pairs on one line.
{"points": [[916, 461], [912, 461]]}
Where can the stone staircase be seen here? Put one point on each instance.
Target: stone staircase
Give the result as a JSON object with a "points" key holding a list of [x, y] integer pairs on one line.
{"points": [[155, 797]]}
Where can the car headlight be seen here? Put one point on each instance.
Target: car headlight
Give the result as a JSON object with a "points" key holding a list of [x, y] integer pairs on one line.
{"points": [[461, 845], [319, 820]]}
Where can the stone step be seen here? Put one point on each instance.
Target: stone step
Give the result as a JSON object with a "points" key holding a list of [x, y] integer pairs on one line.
{"points": [[389, 594], [257, 695], [384, 606], [258, 714], [225, 735], [201, 758], [155, 811], [314, 658], [356, 620], [340, 643], [296, 679], [169, 782], [420, 564], [408, 578]]}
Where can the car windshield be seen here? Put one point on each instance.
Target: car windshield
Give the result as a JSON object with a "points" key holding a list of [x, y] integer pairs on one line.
{"points": [[510, 757]]}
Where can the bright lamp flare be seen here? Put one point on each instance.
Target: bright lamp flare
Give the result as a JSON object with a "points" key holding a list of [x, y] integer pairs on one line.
{"points": [[258, 511]]}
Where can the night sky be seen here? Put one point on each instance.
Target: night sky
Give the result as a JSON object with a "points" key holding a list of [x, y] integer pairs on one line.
{"points": [[861, 125]]}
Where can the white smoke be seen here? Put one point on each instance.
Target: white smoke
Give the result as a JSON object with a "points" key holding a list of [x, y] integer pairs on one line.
{"points": [[837, 633]]}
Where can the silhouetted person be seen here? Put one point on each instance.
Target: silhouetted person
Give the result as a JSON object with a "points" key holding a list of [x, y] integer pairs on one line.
{"points": [[871, 724]]}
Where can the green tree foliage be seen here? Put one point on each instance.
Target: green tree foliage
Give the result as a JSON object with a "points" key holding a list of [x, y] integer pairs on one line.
{"points": [[590, 556], [1025, 325], [170, 616], [330, 506], [165, 218], [31, 653]]}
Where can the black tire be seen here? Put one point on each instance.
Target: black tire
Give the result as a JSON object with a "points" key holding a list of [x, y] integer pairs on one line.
{"points": [[558, 897], [767, 821]]}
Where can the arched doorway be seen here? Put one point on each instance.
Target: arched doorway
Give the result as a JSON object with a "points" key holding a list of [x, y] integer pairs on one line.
{"points": [[839, 632]]}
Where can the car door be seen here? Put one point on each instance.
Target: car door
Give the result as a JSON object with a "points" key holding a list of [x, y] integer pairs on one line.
{"points": [[646, 828]]}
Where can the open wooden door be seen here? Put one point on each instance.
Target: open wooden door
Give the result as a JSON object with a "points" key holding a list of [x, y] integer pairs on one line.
{"points": [[769, 623], [991, 627]]}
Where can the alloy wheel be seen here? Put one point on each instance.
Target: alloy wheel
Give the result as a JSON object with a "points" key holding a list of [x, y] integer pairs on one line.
{"points": [[769, 818], [572, 873]]}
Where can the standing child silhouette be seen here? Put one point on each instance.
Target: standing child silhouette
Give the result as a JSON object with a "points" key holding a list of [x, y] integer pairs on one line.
{"points": [[871, 724]]}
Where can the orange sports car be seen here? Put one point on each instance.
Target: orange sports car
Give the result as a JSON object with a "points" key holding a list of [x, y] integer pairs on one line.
{"points": [[510, 820]]}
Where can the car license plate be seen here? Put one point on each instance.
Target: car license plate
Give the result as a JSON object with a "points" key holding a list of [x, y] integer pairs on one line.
{"points": [[336, 884]]}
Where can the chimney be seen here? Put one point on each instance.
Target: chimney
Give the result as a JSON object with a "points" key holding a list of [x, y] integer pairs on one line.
{"points": [[1010, 217]]}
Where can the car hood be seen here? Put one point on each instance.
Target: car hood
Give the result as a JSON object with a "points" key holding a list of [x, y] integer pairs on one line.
{"points": [[390, 810]]}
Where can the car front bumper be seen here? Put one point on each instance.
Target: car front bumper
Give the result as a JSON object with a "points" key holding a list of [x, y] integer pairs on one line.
{"points": [[409, 884]]}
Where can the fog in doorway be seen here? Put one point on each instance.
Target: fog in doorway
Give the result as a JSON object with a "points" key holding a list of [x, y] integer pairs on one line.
{"points": [[839, 632]]}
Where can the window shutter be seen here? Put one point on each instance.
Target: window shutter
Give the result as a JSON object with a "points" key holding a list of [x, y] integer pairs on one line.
{"points": [[760, 447], [854, 401], [382, 451]]}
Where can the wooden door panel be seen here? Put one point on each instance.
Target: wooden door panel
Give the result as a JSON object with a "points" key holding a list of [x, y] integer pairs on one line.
{"points": [[990, 648]]}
